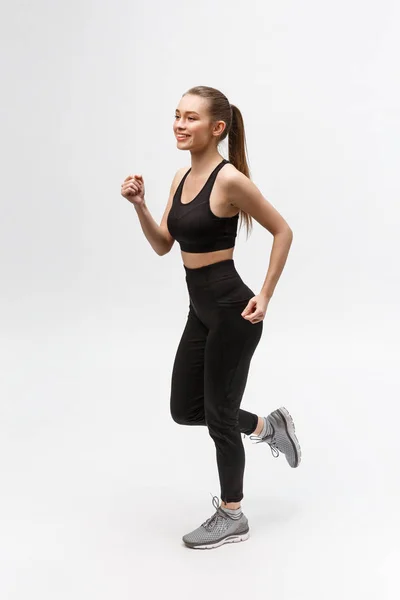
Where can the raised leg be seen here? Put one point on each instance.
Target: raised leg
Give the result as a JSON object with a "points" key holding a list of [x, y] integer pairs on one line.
{"points": [[187, 380]]}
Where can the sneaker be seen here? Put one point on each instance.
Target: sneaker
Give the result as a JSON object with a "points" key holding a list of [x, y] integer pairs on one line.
{"points": [[218, 529], [283, 438]]}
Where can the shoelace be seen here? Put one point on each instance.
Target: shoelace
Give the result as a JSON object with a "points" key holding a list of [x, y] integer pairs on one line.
{"points": [[208, 523], [272, 444]]}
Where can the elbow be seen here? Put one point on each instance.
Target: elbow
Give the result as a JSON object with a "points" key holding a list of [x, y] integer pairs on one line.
{"points": [[164, 250], [165, 243], [288, 231]]}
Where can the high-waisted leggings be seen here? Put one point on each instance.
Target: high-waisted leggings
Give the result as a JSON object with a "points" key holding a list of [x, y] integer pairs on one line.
{"points": [[211, 367]]}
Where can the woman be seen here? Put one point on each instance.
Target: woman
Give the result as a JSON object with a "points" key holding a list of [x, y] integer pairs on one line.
{"points": [[225, 319]]}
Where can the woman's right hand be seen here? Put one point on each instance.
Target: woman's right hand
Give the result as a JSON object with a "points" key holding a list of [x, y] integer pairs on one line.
{"points": [[133, 189]]}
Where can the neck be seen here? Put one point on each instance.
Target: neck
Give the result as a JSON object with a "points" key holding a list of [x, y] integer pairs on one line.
{"points": [[203, 163]]}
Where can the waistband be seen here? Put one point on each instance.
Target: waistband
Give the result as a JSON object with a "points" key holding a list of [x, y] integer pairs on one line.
{"points": [[212, 272]]}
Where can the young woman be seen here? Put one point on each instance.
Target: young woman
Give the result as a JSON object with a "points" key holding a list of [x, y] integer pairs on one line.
{"points": [[225, 319]]}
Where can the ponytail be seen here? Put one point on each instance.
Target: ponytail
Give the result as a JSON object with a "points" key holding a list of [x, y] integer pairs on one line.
{"points": [[221, 110]]}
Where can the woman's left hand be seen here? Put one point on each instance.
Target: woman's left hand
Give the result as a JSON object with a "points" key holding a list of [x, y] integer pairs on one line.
{"points": [[256, 308]]}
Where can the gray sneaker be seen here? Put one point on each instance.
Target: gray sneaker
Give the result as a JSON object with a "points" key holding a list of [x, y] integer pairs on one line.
{"points": [[217, 530], [283, 438]]}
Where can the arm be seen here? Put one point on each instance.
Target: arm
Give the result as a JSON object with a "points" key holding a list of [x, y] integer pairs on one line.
{"points": [[244, 194], [158, 235]]}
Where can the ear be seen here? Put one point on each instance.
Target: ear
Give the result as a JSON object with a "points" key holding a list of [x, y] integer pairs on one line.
{"points": [[219, 127]]}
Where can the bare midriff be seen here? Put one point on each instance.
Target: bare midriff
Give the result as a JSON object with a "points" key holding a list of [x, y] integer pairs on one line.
{"points": [[194, 260]]}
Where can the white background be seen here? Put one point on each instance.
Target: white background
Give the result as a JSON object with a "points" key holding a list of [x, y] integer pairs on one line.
{"points": [[98, 484]]}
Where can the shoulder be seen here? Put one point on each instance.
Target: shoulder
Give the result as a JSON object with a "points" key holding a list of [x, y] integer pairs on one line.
{"points": [[231, 178], [231, 182], [245, 195], [239, 188], [181, 172], [177, 178]]}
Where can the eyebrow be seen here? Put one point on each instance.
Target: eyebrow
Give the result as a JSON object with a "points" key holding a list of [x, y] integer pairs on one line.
{"points": [[188, 112]]}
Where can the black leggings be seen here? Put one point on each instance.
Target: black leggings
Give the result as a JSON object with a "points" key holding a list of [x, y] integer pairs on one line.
{"points": [[211, 367]]}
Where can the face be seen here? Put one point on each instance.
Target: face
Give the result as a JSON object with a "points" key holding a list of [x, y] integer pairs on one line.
{"points": [[193, 122]]}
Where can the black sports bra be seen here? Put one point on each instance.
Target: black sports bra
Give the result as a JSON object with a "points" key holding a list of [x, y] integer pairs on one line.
{"points": [[194, 226]]}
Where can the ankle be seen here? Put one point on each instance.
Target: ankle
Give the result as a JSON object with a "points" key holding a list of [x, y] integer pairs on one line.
{"points": [[264, 429], [259, 427], [230, 505]]}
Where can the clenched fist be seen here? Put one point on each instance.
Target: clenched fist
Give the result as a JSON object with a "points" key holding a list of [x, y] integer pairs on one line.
{"points": [[133, 189]]}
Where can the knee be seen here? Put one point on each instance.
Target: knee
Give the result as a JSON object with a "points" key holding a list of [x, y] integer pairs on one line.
{"points": [[179, 418], [178, 413], [183, 414]]}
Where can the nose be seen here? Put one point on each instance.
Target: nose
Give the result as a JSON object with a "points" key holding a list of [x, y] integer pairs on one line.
{"points": [[177, 121]]}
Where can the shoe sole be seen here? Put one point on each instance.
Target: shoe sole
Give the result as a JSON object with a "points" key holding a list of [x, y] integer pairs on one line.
{"points": [[230, 539], [290, 429]]}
